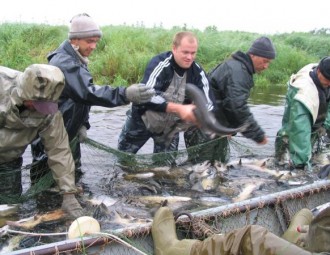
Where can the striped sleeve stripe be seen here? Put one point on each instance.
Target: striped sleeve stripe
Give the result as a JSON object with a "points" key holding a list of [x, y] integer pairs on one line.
{"points": [[161, 65], [206, 89]]}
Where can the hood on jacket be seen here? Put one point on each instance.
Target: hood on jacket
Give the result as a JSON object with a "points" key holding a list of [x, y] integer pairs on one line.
{"points": [[40, 82]]}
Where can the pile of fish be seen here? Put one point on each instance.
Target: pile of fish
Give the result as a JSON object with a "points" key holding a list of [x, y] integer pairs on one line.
{"points": [[231, 182]]}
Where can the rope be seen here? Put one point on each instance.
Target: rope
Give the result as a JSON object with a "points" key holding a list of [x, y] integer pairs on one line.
{"points": [[35, 234], [121, 241]]}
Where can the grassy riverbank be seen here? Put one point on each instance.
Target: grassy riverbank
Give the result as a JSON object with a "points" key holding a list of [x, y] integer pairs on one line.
{"points": [[124, 51]]}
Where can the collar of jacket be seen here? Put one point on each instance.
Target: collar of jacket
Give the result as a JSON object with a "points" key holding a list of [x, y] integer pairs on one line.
{"points": [[307, 92], [245, 59], [179, 70], [66, 47]]}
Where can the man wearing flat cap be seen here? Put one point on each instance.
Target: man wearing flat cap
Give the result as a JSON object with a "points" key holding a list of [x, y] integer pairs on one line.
{"points": [[231, 82], [80, 92], [305, 114], [28, 107]]}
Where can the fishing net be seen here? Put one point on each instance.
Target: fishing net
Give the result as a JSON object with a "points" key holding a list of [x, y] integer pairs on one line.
{"points": [[35, 177], [96, 155]]}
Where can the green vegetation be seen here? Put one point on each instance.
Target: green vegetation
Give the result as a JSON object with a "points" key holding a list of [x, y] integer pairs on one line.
{"points": [[124, 51]]}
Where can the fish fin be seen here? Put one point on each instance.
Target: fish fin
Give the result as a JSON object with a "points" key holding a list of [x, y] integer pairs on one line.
{"points": [[220, 167], [264, 162], [277, 178]]}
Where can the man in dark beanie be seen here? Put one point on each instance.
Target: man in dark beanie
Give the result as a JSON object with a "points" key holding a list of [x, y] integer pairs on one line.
{"points": [[231, 82], [263, 47], [305, 115], [324, 67], [80, 93]]}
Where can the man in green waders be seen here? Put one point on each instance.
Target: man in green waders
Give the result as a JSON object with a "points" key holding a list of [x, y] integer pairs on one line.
{"points": [[249, 240], [305, 115]]}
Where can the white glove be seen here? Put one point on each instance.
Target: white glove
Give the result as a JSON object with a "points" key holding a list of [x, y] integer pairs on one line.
{"points": [[82, 134], [139, 93]]}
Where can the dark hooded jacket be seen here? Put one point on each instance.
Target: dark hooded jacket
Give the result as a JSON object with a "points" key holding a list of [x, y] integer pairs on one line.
{"points": [[80, 93], [231, 82]]}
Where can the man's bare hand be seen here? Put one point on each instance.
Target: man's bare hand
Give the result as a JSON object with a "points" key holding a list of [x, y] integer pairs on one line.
{"points": [[264, 141], [185, 112]]}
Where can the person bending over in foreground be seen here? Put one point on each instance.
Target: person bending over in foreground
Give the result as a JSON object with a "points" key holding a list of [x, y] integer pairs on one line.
{"points": [[28, 108]]}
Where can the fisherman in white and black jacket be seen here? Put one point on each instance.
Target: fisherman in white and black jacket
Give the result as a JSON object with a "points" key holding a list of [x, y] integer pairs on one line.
{"points": [[167, 73]]}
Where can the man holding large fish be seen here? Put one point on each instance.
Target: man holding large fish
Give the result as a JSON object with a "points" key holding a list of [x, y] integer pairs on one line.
{"points": [[183, 100], [167, 73]]}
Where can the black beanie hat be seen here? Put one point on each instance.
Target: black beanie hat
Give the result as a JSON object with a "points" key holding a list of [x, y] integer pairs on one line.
{"points": [[263, 47], [324, 67]]}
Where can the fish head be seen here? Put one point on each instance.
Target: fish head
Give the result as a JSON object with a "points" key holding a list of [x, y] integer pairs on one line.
{"points": [[201, 167], [208, 178], [101, 212], [221, 167], [210, 183]]}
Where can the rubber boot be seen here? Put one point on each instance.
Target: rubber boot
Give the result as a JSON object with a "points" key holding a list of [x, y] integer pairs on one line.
{"points": [[299, 220], [164, 235], [319, 232]]}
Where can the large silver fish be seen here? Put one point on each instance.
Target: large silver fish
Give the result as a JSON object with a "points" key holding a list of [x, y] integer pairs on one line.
{"points": [[208, 123], [8, 209], [247, 190], [255, 165], [207, 120]]}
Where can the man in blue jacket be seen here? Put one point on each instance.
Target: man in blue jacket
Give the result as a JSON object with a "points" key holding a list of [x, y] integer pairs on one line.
{"points": [[167, 73]]}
